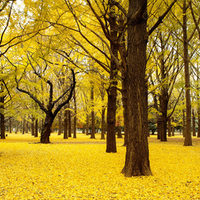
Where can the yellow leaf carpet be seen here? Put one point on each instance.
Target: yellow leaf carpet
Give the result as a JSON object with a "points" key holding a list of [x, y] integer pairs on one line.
{"points": [[80, 169]]}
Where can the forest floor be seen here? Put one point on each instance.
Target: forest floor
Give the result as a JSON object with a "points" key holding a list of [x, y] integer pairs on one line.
{"points": [[81, 169]]}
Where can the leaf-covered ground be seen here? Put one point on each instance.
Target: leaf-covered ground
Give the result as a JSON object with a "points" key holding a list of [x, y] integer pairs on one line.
{"points": [[80, 169]]}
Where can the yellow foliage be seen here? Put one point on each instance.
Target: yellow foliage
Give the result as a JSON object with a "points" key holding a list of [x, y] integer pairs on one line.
{"points": [[80, 169]]}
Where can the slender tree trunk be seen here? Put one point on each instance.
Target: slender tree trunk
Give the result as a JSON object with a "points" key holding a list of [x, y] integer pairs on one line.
{"points": [[193, 123], [60, 127], [74, 136], [92, 113], [65, 136], [36, 128], [137, 154], [26, 127], [102, 110], [169, 127], [125, 111], [103, 124], [119, 132], [32, 126], [198, 133], [23, 126], [10, 125], [69, 123], [3, 136], [159, 126], [184, 123], [188, 138], [87, 124], [173, 127], [112, 91]]}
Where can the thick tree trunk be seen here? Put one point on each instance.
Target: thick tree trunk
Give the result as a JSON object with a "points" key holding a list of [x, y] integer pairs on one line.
{"points": [[46, 130], [188, 137], [137, 154]]}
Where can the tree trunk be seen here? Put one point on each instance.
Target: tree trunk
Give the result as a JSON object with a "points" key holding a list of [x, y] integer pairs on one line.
{"points": [[74, 136], [32, 126], [26, 131], [46, 130], [188, 138], [60, 127], [112, 90], [125, 111], [92, 114], [169, 127], [65, 136], [184, 123], [198, 133], [3, 136], [36, 128], [173, 127], [137, 154], [103, 109], [10, 125], [87, 124], [103, 124], [69, 123], [193, 123], [119, 132], [159, 126]]}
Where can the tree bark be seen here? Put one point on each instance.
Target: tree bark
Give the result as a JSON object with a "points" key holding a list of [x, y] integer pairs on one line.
{"points": [[137, 154], [169, 127], [112, 90], [69, 123], [193, 123], [65, 136], [60, 127], [92, 113], [46, 130], [125, 111], [103, 124], [36, 128], [3, 136], [188, 138], [74, 135]]}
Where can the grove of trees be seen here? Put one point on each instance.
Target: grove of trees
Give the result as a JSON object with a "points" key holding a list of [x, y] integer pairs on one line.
{"points": [[101, 65]]}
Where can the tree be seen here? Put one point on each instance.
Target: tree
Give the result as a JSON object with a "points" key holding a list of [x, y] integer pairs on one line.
{"points": [[52, 101], [137, 155]]}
